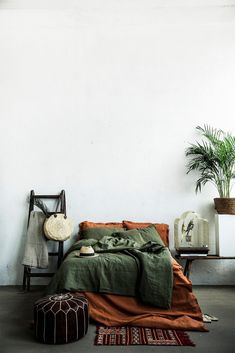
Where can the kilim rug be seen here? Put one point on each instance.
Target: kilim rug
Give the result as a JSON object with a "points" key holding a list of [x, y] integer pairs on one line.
{"points": [[129, 335]]}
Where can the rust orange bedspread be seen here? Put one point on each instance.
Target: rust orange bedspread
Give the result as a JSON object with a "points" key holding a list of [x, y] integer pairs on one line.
{"points": [[116, 310]]}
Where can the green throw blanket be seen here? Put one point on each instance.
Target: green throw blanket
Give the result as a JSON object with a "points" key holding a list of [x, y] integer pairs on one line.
{"points": [[132, 263]]}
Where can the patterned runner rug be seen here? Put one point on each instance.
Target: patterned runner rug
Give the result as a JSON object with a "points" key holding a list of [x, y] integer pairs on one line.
{"points": [[129, 335]]}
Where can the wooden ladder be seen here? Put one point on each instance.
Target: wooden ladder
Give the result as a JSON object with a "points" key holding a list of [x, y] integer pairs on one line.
{"points": [[59, 253]]}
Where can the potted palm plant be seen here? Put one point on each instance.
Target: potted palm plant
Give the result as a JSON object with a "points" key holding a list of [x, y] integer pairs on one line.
{"points": [[214, 159]]}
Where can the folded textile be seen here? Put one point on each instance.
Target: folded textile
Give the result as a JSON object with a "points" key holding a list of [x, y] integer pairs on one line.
{"points": [[36, 252]]}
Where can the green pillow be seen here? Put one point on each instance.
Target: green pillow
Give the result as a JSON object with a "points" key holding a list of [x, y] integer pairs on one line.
{"points": [[150, 234], [131, 234], [141, 235], [98, 233]]}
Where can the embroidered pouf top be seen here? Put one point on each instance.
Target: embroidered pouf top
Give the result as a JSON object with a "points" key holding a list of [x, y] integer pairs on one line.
{"points": [[60, 318]]}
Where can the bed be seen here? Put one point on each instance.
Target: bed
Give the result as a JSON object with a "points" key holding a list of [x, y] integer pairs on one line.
{"points": [[134, 280]]}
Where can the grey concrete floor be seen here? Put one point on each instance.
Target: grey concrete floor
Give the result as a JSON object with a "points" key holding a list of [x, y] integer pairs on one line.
{"points": [[16, 335]]}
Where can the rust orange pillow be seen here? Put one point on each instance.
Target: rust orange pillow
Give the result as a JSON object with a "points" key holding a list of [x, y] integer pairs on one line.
{"points": [[162, 229], [87, 224]]}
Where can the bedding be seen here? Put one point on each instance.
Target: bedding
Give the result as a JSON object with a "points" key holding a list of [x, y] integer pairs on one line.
{"points": [[133, 263], [88, 224], [117, 310], [161, 228], [98, 233]]}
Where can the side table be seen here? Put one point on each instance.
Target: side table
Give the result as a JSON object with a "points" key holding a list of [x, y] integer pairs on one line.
{"points": [[190, 259]]}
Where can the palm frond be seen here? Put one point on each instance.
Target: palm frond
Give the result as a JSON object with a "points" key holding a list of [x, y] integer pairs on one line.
{"points": [[212, 134]]}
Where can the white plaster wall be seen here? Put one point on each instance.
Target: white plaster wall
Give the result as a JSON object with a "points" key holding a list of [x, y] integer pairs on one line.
{"points": [[101, 98]]}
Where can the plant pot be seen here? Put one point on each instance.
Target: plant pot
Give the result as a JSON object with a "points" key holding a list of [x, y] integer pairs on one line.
{"points": [[225, 205]]}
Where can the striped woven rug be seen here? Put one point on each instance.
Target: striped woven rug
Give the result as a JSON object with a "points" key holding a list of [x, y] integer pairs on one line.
{"points": [[129, 335]]}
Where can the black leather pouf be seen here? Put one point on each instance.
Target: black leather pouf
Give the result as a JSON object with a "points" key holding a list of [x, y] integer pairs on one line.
{"points": [[60, 318]]}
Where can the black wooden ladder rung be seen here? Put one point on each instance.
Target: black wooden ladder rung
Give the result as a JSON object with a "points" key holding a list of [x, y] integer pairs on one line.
{"points": [[47, 196], [53, 253], [41, 274]]}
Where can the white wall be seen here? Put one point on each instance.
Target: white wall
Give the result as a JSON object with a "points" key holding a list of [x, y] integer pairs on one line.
{"points": [[101, 98]]}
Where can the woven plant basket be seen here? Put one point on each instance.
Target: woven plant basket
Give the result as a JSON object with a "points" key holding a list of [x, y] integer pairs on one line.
{"points": [[225, 205]]}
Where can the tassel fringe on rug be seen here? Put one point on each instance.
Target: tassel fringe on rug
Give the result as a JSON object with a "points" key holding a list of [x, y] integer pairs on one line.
{"points": [[129, 335]]}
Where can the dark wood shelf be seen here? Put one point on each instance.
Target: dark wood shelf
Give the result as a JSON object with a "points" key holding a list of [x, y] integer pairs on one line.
{"points": [[190, 259]]}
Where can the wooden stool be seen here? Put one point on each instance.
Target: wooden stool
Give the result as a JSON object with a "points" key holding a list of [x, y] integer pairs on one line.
{"points": [[60, 318]]}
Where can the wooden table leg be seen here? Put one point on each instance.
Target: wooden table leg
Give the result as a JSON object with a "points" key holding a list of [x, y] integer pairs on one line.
{"points": [[187, 267], [24, 279]]}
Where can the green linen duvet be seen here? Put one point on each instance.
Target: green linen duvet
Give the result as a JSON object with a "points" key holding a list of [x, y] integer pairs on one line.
{"points": [[132, 263]]}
